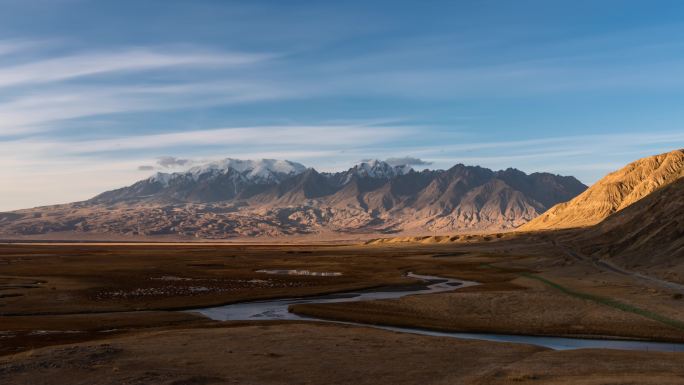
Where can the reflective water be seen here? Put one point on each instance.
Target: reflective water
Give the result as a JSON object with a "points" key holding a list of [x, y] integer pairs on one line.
{"points": [[278, 310]]}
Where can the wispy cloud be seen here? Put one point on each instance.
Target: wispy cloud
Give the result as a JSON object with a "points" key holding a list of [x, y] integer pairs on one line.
{"points": [[87, 64], [172, 161], [463, 66], [292, 140], [40, 92], [18, 45], [48, 109], [584, 143], [257, 136]]}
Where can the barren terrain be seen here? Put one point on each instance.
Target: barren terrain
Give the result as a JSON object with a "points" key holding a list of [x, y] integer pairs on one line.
{"points": [[117, 302], [327, 354]]}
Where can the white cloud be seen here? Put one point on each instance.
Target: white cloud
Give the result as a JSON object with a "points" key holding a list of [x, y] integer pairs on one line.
{"points": [[46, 110], [585, 144], [74, 66], [40, 94], [263, 140], [17, 45], [407, 160], [172, 162], [252, 136]]}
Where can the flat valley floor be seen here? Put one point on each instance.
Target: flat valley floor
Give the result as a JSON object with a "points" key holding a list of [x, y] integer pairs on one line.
{"points": [[120, 314]]}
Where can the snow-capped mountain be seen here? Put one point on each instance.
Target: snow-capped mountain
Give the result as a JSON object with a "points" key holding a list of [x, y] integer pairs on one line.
{"points": [[212, 182], [274, 197], [379, 169], [260, 171]]}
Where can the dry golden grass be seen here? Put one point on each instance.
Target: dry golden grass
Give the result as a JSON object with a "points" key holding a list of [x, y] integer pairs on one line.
{"points": [[326, 354], [60, 289]]}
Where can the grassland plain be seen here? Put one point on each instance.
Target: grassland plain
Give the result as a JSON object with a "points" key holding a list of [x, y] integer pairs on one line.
{"points": [[116, 305], [315, 353]]}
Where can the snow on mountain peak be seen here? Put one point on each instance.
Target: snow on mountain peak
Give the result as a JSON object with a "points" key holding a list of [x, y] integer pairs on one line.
{"points": [[261, 170], [161, 177], [272, 170], [379, 169]]}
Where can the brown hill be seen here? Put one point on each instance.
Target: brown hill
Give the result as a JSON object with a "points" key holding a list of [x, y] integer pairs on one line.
{"points": [[649, 233], [613, 193]]}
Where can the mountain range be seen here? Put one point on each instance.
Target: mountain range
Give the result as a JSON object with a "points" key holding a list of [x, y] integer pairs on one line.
{"points": [[632, 218], [231, 198]]}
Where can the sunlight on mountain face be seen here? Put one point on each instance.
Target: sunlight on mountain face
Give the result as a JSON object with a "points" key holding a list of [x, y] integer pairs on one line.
{"points": [[232, 198]]}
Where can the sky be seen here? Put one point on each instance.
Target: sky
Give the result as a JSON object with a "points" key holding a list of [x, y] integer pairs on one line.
{"points": [[96, 95]]}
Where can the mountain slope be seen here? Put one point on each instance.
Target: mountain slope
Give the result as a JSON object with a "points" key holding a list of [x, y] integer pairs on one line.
{"points": [[268, 197], [613, 193], [647, 233]]}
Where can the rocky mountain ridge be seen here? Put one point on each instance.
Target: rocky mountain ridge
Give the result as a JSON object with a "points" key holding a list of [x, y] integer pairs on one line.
{"points": [[270, 198]]}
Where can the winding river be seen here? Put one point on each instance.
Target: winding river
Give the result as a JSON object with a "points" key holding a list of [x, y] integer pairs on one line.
{"points": [[278, 310]]}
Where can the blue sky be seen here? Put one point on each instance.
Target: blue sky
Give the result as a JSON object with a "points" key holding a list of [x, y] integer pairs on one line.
{"points": [[94, 93]]}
